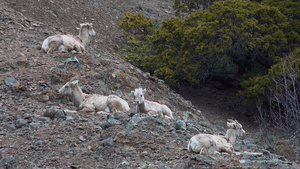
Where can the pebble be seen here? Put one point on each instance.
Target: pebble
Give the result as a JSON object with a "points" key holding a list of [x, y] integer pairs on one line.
{"points": [[39, 142], [108, 142], [35, 125], [144, 153], [12, 82], [164, 167], [12, 127], [81, 138], [8, 161], [44, 119], [59, 140], [20, 123], [123, 164], [180, 125]]}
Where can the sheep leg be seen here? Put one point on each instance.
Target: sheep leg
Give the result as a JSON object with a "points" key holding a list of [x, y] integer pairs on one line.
{"points": [[160, 113], [152, 113], [203, 150], [78, 49], [53, 45], [50, 50], [227, 147], [86, 110], [112, 109], [212, 148], [112, 105], [228, 150], [166, 111]]}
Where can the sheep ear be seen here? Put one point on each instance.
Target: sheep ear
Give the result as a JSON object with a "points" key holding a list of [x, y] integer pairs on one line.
{"points": [[237, 122], [229, 125], [131, 93], [67, 84], [144, 91], [75, 82]]}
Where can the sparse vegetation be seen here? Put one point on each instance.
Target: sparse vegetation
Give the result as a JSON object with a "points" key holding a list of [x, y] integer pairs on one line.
{"points": [[277, 94]]}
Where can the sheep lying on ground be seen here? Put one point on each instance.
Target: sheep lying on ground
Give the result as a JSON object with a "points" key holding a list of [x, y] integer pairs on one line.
{"points": [[208, 143], [92, 102], [63, 43], [149, 107]]}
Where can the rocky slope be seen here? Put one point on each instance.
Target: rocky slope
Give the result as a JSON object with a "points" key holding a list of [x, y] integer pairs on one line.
{"points": [[40, 129]]}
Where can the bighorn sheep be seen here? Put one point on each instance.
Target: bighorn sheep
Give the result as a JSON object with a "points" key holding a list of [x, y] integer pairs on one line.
{"points": [[68, 43], [149, 107], [208, 143], [92, 102]]}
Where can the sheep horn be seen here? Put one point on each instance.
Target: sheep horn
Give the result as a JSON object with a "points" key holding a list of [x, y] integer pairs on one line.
{"points": [[230, 120], [74, 78], [237, 122]]}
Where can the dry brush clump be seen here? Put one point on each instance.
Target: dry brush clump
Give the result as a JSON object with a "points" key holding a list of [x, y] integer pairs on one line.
{"points": [[283, 107]]}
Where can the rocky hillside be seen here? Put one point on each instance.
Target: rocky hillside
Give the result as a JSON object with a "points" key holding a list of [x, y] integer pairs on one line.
{"points": [[40, 129], [103, 14]]}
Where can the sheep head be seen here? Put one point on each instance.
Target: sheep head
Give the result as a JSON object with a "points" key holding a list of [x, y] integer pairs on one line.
{"points": [[89, 28], [68, 88], [235, 125], [138, 94]]}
